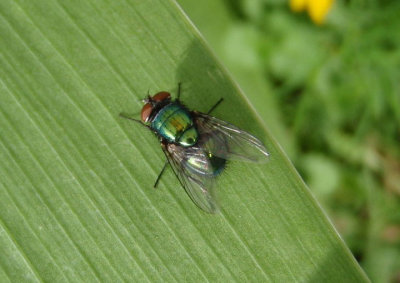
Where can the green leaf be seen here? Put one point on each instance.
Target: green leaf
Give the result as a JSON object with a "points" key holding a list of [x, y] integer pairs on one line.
{"points": [[76, 188]]}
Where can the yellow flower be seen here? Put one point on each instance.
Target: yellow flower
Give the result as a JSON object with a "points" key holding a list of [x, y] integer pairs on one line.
{"points": [[298, 5], [317, 9]]}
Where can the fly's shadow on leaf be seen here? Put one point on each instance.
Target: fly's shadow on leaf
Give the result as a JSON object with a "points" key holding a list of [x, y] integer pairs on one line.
{"points": [[203, 84]]}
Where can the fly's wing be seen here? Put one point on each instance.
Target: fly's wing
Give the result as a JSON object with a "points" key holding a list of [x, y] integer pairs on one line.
{"points": [[228, 141], [198, 186]]}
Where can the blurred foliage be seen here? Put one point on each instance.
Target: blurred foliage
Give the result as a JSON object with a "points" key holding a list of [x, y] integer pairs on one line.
{"points": [[334, 89]]}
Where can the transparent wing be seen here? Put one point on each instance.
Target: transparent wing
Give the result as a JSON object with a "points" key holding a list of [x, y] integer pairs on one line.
{"points": [[228, 141], [191, 166]]}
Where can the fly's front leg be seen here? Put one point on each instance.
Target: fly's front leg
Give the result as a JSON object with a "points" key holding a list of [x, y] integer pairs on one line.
{"points": [[125, 116]]}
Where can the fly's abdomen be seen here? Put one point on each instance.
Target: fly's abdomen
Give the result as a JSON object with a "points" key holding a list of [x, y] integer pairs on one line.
{"points": [[211, 166], [174, 123], [205, 162]]}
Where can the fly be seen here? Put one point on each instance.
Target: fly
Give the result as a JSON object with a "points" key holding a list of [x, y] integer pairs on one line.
{"points": [[196, 145]]}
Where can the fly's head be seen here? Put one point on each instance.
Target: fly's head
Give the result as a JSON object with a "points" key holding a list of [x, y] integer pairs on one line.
{"points": [[152, 104]]}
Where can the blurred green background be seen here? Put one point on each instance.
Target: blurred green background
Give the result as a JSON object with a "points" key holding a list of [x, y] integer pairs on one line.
{"points": [[329, 93]]}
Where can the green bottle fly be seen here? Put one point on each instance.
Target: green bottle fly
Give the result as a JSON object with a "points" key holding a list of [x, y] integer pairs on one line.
{"points": [[197, 146]]}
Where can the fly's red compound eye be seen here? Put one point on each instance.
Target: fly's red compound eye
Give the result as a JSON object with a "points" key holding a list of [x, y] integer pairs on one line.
{"points": [[160, 96], [146, 111]]}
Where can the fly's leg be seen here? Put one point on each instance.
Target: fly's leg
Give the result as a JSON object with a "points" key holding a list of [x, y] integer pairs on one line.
{"points": [[179, 91], [122, 115], [162, 172], [215, 105]]}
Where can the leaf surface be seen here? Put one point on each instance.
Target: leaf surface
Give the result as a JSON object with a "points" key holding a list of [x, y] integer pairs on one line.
{"points": [[76, 195]]}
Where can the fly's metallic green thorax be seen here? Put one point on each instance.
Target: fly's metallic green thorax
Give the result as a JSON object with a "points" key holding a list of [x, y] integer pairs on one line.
{"points": [[175, 124]]}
